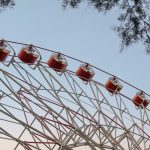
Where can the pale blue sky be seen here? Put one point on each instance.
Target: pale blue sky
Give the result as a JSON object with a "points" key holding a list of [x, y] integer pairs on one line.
{"points": [[82, 33]]}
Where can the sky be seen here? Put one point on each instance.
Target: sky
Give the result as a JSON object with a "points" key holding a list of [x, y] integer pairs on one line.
{"points": [[82, 33]]}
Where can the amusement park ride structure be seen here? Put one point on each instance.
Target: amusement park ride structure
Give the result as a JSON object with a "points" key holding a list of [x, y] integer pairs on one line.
{"points": [[46, 106]]}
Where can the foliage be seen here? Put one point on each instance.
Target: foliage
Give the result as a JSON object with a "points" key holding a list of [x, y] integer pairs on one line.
{"points": [[134, 18], [6, 3]]}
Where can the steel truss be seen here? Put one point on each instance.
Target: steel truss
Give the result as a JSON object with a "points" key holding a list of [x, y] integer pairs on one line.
{"points": [[43, 110]]}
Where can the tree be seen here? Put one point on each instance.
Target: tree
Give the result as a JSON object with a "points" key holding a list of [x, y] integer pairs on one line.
{"points": [[134, 18], [6, 3]]}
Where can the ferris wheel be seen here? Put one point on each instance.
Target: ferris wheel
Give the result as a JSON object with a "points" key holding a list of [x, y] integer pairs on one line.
{"points": [[51, 101]]}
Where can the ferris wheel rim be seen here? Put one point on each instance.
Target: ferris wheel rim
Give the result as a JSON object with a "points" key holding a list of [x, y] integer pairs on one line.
{"points": [[69, 72], [45, 49]]}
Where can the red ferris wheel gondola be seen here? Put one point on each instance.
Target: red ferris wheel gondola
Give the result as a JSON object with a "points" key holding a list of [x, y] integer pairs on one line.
{"points": [[3, 52], [57, 62], [28, 55], [140, 100], [113, 85], [85, 72]]}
